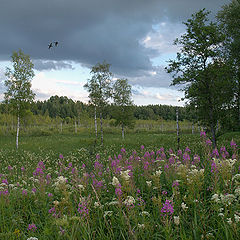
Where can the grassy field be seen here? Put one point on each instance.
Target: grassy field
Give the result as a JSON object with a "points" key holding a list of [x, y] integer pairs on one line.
{"points": [[66, 186]]}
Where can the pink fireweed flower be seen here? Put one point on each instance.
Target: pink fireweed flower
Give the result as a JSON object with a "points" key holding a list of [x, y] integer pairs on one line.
{"points": [[118, 190], [24, 192], [50, 194], [214, 168], [83, 165], [142, 147], [98, 156], [208, 142], [215, 153], [32, 227], [38, 172], [123, 150], [5, 181], [164, 192], [187, 149], [175, 184], [233, 144], [202, 134], [61, 156], [34, 190], [10, 168], [167, 208], [22, 169], [83, 210], [41, 165]]}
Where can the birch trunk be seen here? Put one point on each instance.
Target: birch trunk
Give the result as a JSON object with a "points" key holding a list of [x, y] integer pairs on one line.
{"points": [[75, 127], [101, 123], [18, 126], [95, 121], [178, 138], [122, 131]]}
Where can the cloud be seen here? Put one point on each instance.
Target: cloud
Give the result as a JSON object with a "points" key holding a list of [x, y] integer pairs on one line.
{"points": [[51, 65]]}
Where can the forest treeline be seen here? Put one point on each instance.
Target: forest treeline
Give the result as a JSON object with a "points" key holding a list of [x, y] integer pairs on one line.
{"points": [[67, 109]]}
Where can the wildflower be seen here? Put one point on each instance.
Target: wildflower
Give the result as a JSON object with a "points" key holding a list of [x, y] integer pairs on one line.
{"points": [[129, 201], [142, 147], [115, 181], [184, 206], [158, 173], [82, 209], [97, 204], [141, 226], [176, 220], [24, 192], [61, 156], [229, 221], [144, 213], [32, 238], [167, 208], [31, 227], [125, 175], [202, 134], [149, 183], [237, 218], [81, 187], [208, 142], [107, 213], [118, 191]]}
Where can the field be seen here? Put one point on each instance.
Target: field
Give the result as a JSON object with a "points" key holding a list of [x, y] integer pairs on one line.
{"points": [[66, 186]]}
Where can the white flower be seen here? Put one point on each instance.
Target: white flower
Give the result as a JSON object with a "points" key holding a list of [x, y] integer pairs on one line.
{"points": [[229, 221], [98, 204], [129, 201], [144, 213], [221, 215], [32, 238], [227, 199], [125, 175], [158, 173], [81, 187], [115, 181], [149, 183], [215, 198], [237, 191], [237, 218], [141, 226], [176, 220], [184, 206], [107, 213]]}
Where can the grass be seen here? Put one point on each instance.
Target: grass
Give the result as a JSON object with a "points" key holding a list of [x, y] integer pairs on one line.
{"points": [[75, 197]]}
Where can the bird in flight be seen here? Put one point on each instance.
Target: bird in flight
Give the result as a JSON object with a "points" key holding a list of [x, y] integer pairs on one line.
{"points": [[50, 45]]}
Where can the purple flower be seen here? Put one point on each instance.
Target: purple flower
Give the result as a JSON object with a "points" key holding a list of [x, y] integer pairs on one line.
{"points": [[24, 192], [82, 209], [61, 156], [202, 134], [118, 191], [142, 147], [208, 142], [22, 169], [175, 184], [5, 181], [31, 227], [167, 208]]}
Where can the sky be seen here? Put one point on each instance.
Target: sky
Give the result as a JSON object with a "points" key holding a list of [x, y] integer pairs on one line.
{"points": [[134, 36]]}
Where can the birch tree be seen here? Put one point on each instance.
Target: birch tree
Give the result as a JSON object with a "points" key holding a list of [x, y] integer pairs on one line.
{"points": [[123, 113], [18, 83], [99, 88]]}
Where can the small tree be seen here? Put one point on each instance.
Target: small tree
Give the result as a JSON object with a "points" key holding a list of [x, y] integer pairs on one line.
{"points": [[99, 88], [200, 67], [19, 94], [123, 113]]}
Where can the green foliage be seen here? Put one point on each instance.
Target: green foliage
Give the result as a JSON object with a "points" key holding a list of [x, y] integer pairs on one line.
{"points": [[201, 69], [19, 94]]}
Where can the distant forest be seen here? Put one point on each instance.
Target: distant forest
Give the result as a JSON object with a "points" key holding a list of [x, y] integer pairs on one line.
{"points": [[65, 108]]}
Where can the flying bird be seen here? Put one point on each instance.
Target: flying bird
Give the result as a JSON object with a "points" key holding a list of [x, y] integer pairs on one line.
{"points": [[56, 43], [50, 45]]}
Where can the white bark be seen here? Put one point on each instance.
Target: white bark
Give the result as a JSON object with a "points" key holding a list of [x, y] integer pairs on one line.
{"points": [[18, 126], [122, 131], [75, 127], [95, 120]]}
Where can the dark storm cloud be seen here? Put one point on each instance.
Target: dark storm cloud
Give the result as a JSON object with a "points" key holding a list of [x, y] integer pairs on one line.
{"points": [[90, 31], [48, 65]]}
